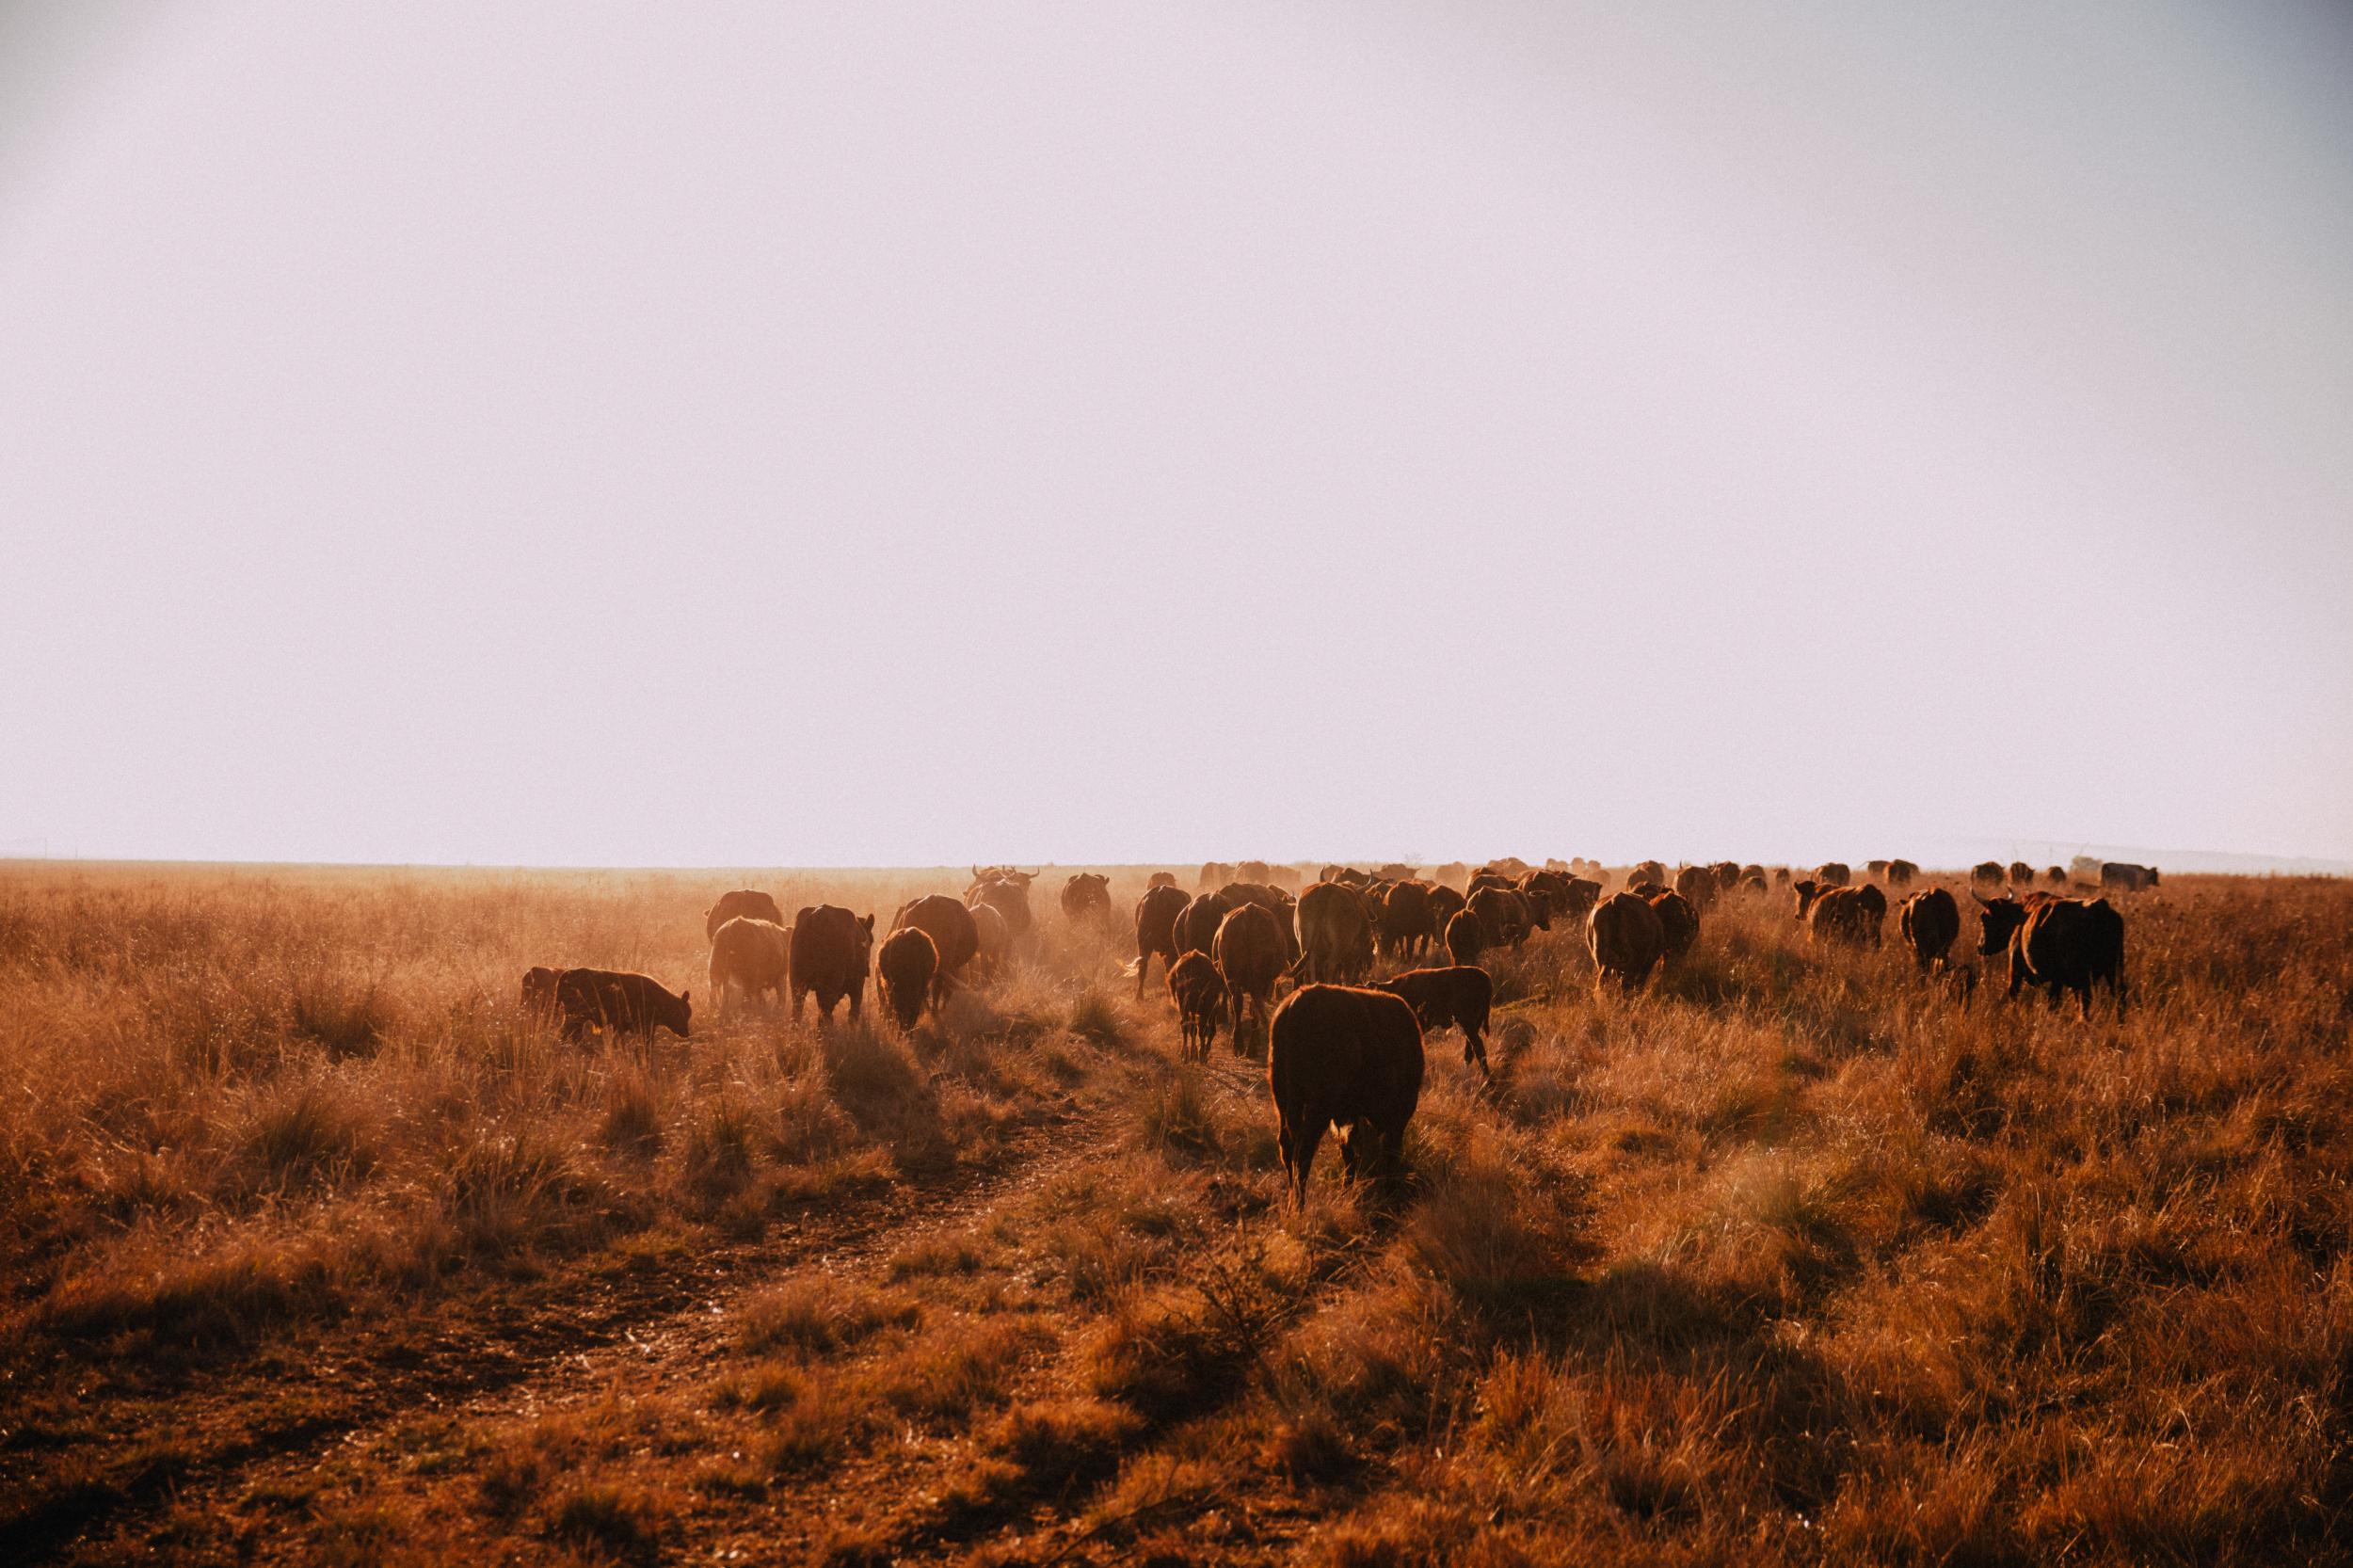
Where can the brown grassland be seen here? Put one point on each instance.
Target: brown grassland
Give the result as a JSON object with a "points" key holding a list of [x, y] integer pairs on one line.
{"points": [[319, 1250]]}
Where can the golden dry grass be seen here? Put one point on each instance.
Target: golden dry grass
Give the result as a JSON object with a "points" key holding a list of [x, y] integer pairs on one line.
{"points": [[318, 1250]]}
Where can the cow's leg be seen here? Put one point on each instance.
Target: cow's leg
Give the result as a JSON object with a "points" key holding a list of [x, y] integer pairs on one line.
{"points": [[1474, 1048], [1144, 967]]}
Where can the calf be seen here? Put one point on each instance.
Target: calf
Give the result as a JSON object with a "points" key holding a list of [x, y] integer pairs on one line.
{"points": [[620, 1003], [1462, 996], [1199, 993], [905, 969]]}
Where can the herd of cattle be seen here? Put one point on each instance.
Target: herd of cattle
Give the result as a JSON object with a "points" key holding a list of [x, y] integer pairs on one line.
{"points": [[1340, 1052]]}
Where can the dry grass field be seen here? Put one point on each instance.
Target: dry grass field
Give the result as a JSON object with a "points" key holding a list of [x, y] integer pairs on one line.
{"points": [[318, 1250]]}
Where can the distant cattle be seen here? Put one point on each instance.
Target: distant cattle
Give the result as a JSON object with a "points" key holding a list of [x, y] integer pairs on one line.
{"points": [[620, 1003], [831, 949], [1444, 903], [1255, 870], [1647, 871], [1194, 986], [1403, 919], [539, 990], [1347, 1057], [1086, 899], [1464, 939], [1625, 938], [955, 935], [1503, 916], [1453, 874], [905, 970], [1160, 879], [1875, 868], [1678, 925], [1197, 927], [1753, 879], [1157, 913], [1215, 873], [995, 939], [2055, 876], [1727, 875], [2125, 875], [1397, 872], [1899, 873], [1510, 867], [2021, 874], [1847, 916], [1250, 955], [1833, 874], [1928, 922], [1005, 891], [743, 901], [1461, 997], [1986, 870], [1335, 933], [1781, 876], [1284, 877], [747, 956], [1344, 873], [1697, 884], [2059, 944]]}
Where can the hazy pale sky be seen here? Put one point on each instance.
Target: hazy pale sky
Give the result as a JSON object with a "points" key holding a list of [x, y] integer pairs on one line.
{"points": [[874, 434]]}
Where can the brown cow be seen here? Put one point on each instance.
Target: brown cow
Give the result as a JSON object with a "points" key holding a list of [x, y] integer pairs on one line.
{"points": [[1199, 995], [1157, 913], [2125, 875], [1215, 873], [2060, 944], [1625, 938], [1781, 876], [1900, 872], [620, 1003], [1697, 884], [955, 935], [2021, 874], [1875, 868], [1503, 916], [1753, 879], [1404, 920], [1678, 925], [2055, 876], [1833, 874], [1282, 875], [1453, 874], [539, 990], [1005, 891], [1250, 955], [1462, 996], [905, 970], [1573, 897], [747, 956], [1340, 1055], [830, 950], [1197, 927], [1160, 879], [743, 901], [1397, 872], [995, 939], [1928, 922], [1847, 914], [1986, 870], [1444, 903], [1335, 933], [1647, 871], [1255, 870], [1086, 899], [1466, 939], [1273, 901]]}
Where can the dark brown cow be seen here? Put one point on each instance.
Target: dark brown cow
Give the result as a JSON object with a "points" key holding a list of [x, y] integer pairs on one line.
{"points": [[1753, 879], [1005, 891], [539, 990], [751, 905], [1273, 901], [1875, 868], [1928, 922], [1157, 914], [1647, 871], [1397, 872], [1461, 995], [2055, 876], [1160, 879], [1833, 874], [1509, 867], [1453, 874], [1625, 938], [1850, 915], [2021, 874], [620, 1003], [1466, 939], [1335, 933], [1444, 903], [1197, 927], [1727, 875], [747, 956], [1697, 884], [1250, 955], [1404, 920], [1986, 870], [1215, 873], [905, 970], [1199, 995], [1781, 876], [831, 949], [1503, 916], [1086, 899], [1340, 1055], [1255, 870], [1678, 925], [2125, 875], [955, 935], [1899, 873], [1574, 897], [995, 939], [2061, 944], [1284, 877]]}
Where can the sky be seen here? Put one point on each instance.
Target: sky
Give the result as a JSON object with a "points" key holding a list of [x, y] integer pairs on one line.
{"points": [[881, 434]]}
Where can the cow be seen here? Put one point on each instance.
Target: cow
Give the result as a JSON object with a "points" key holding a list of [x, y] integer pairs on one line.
{"points": [[1086, 899], [750, 956], [1806, 892], [1575, 901], [1781, 876], [1397, 872], [1255, 870], [1157, 913], [955, 935], [1678, 926], [993, 937], [1336, 873], [1250, 955], [1342, 1056], [1005, 891], [1404, 920], [1753, 879], [1899, 873], [1214, 873], [1833, 874], [905, 970], [1273, 901], [1464, 939], [1625, 938], [1453, 874], [1875, 868], [1197, 927], [1928, 922], [830, 950], [2057, 943], [1194, 986], [1850, 915], [2021, 874], [619, 1003], [539, 990], [1697, 884], [1335, 933], [1160, 879], [2055, 876], [1646, 871], [2126, 876], [1462, 996], [1484, 879], [743, 901], [1509, 867], [1503, 916], [1986, 870], [1444, 903], [1284, 877]]}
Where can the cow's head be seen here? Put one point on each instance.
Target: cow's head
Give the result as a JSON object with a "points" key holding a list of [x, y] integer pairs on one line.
{"points": [[1807, 891], [2002, 917]]}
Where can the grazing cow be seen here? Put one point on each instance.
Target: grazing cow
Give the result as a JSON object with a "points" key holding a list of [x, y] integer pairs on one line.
{"points": [[1199, 995], [1900, 872], [995, 939], [539, 990], [1987, 871], [1197, 927], [2123, 874], [1463, 936], [1678, 925], [743, 901], [1249, 954], [1086, 899], [1404, 918], [1396, 872], [1160, 879], [2055, 876], [1875, 868], [1005, 891], [1157, 913], [1462, 996], [1833, 874], [1647, 871], [2060, 944], [1503, 916], [1928, 922], [955, 935], [747, 956], [1753, 879], [830, 950], [620, 1003], [1340, 1055], [1851, 915], [2021, 874], [1625, 937], [904, 971], [1335, 933], [1697, 884], [1453, 874]]}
